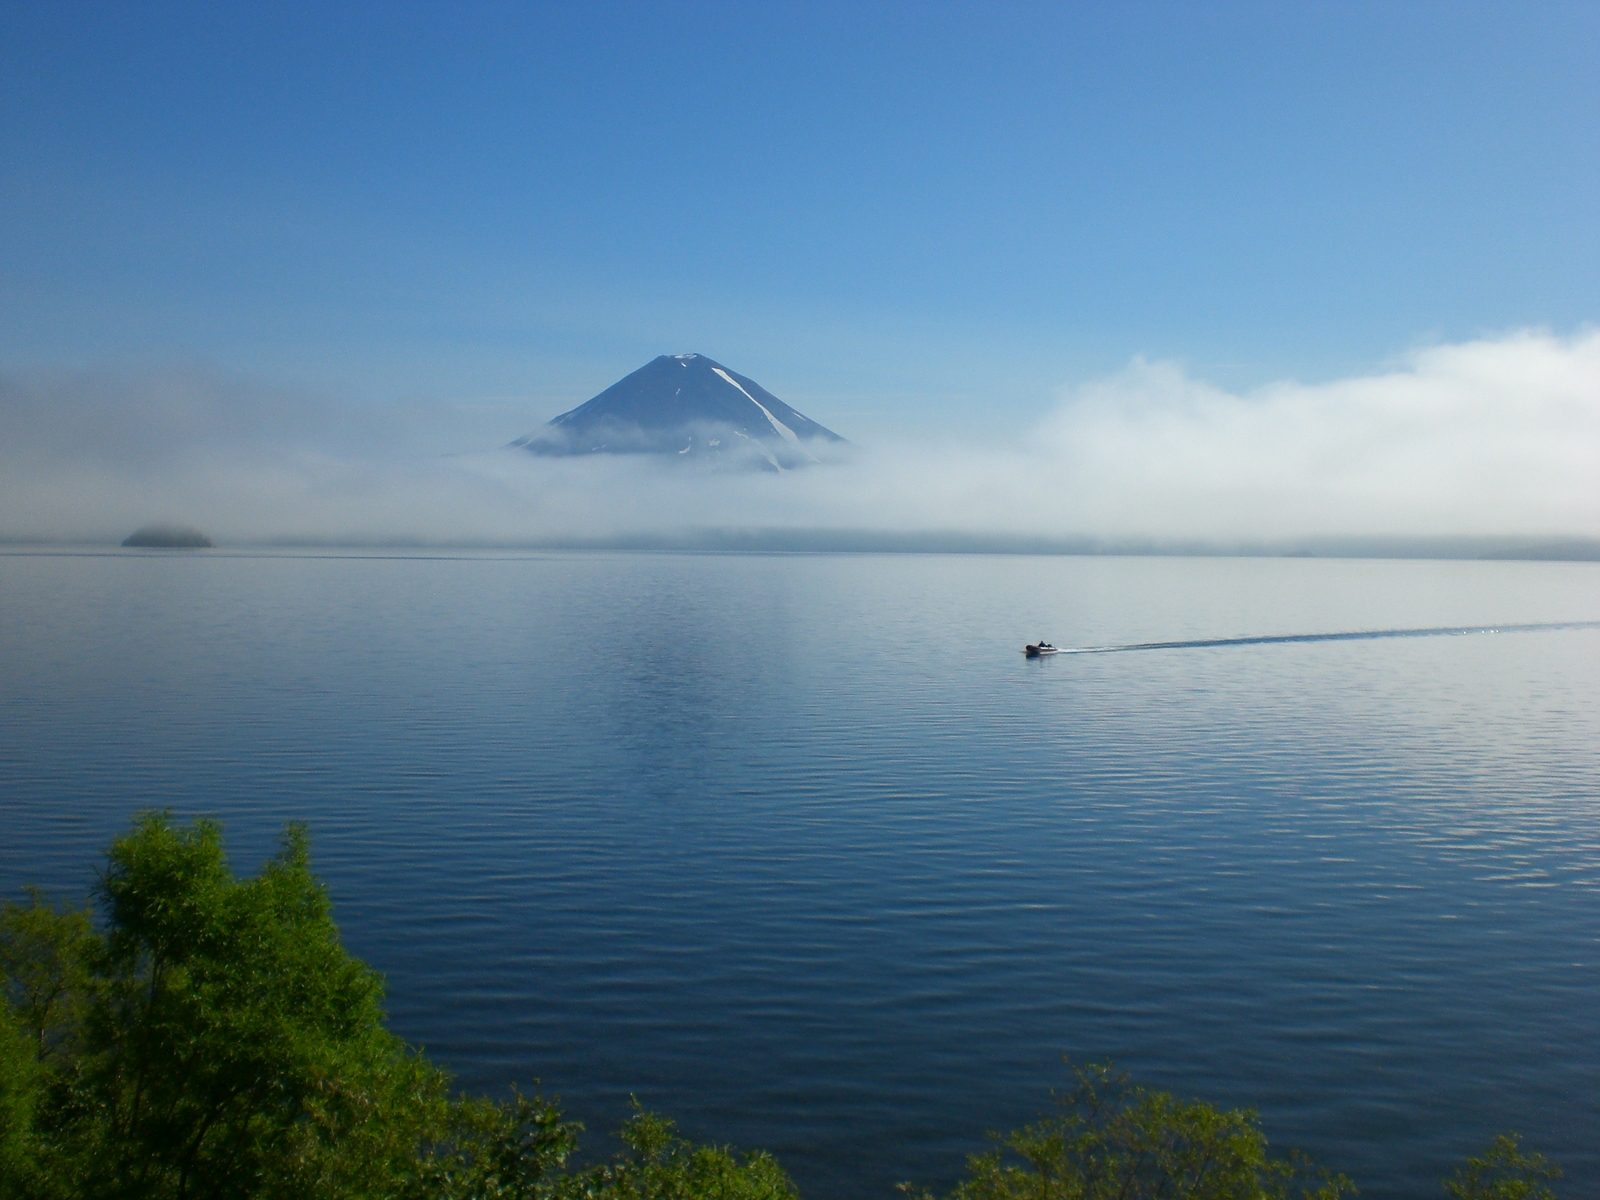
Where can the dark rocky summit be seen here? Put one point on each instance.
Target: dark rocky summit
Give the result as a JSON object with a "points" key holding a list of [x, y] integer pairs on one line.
{"points": [[168, 537], [692, 407]]}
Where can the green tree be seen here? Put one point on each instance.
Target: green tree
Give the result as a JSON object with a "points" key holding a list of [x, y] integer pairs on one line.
{"points": [[494, 1151], [1503, 1172], [47, 959], [660, 1165], [218, 1041], [1110, 1140], [19, 1098]]}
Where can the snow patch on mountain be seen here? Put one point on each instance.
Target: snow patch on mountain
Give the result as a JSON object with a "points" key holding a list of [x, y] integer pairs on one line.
{"points": [[690, 407]]}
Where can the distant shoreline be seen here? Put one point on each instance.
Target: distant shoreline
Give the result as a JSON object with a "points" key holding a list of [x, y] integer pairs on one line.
{"points": [[848, 541]]}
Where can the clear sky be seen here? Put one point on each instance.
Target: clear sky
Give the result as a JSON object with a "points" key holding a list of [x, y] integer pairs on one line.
{"points": [[882, 212]]}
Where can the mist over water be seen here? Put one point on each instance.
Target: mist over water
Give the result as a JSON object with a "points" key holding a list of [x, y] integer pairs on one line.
{"points": [[1493, 438], [801, 850]]}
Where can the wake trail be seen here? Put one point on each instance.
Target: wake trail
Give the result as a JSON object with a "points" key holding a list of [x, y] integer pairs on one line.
{"points": [[1363, 635]]}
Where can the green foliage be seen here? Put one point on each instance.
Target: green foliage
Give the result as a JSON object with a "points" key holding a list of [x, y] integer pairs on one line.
{"points": [[662, 1166], [490, 1151], [47, 957], [235, 1047], [19, 1096], [217, 1041], [1503, 1172], [1109, 1140]]}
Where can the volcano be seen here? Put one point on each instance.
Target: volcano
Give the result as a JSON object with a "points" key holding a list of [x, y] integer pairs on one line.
{"points": [[692, 407]]}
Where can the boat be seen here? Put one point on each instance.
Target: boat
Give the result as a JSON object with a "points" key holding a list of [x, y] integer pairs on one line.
{"points": [[1039, 649]]}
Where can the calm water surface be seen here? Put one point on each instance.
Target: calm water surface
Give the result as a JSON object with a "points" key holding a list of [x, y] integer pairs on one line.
{"points": [[801, 850]]}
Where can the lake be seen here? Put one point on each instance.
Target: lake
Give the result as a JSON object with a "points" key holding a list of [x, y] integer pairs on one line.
{"points": [[800, 850]]}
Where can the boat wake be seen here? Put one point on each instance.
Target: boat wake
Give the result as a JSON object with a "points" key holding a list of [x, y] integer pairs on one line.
{"points": [[1283, 639]]}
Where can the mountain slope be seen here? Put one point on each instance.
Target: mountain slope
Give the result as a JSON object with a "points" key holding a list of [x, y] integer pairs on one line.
{"points": [[690, 406]]}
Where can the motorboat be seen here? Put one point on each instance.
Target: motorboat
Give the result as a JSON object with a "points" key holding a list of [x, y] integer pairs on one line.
{"points": [[1039, 649]]}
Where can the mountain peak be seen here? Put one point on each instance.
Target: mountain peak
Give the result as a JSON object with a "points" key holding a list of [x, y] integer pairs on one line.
{"points": [[690, 406]]}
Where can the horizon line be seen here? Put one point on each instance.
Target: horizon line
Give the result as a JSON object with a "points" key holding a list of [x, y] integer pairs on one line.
{"points": [[1472, 547]]}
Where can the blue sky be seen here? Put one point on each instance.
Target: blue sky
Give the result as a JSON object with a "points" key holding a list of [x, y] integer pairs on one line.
{"points": [[882, 212]]}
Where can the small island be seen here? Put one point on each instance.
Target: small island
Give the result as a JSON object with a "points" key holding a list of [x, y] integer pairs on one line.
{"points": [[168, 537]]}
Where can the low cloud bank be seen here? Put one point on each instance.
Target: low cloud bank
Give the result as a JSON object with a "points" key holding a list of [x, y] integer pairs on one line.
{"points": [[1495, 438]]}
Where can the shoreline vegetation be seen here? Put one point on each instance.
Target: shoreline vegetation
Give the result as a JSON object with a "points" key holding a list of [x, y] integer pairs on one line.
{"points": [[209, 1036]]}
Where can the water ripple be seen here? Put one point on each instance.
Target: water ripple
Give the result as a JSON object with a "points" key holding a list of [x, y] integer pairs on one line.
{"points": [[720, 832]]}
